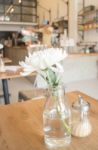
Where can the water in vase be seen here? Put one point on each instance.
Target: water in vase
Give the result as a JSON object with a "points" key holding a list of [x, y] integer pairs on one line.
{"points": [[56, 134]]}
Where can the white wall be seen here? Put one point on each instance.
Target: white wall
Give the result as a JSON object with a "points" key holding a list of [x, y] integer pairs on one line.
{"points": [[80, 68], [58, 9], [91, 35], [91, 2], [72, 20]]}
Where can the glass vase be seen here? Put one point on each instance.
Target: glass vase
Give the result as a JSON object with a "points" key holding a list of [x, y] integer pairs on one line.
{"points": [[57, 119]]}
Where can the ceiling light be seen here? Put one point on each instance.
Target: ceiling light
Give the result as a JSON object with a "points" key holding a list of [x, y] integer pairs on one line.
{"points": [[20, 1]]}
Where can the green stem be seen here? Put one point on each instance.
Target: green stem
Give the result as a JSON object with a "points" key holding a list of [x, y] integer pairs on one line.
{"points": [[65, 125], [63, 121]]}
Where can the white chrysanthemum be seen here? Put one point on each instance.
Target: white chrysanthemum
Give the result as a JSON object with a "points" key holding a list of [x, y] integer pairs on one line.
{"points": [[46, 63], [42, 60]]}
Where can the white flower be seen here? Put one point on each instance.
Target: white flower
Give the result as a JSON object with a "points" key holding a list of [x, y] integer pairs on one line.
{"points": [[41, 60], [46, 61]]}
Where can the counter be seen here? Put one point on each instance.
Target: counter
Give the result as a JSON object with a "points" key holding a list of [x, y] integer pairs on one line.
{"points": [[76, 66], [80, 67], [82, 54]]}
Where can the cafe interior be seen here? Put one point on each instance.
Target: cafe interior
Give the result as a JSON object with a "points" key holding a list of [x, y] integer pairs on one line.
{"points": [[48, 74]]}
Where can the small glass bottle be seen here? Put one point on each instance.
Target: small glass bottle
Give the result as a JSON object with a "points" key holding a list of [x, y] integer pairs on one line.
{"points": [[57, 119], [81, 126]]}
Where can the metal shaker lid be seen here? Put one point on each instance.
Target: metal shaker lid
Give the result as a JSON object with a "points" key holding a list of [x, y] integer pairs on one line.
{"points": [[81, 104]]}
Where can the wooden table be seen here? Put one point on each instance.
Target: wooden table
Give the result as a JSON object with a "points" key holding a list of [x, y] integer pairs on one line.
{"points": [[21, 126], [4, 76]]}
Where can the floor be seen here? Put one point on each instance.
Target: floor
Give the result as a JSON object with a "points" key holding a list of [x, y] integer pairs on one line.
{"points": [[89, 87]]}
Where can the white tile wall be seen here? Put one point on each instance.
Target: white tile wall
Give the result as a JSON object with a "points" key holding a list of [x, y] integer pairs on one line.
{"points": [[90, 87]]}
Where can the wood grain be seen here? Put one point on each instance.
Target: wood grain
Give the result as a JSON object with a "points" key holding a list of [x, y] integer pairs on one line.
{"points": [[21, 126]]}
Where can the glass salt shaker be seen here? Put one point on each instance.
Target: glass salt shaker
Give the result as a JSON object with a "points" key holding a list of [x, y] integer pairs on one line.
{"points": [[81, 126]]}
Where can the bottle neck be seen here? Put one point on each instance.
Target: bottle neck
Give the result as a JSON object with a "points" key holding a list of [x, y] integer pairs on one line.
{"points": [[56, 91]]}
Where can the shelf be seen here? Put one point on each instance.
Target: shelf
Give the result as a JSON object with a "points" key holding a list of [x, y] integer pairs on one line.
{"points": [[88, 13], [89, 20], [88, 28], [18, 23], [15, 26]]}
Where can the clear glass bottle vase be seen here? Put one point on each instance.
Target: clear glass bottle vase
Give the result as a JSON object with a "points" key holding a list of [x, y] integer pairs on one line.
{"points": [[57, 119]]}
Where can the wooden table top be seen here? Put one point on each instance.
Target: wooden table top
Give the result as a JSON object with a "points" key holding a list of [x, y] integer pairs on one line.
{"points": [[21, 126], [77, 55], [12, 74]]}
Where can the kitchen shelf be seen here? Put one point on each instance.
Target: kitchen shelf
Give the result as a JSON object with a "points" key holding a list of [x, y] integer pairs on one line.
{"points": [[89, 20], [18, 23], [88, 13]]}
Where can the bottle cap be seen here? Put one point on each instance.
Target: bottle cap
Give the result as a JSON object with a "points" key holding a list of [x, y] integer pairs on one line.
{"points": [[81, 104]]}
